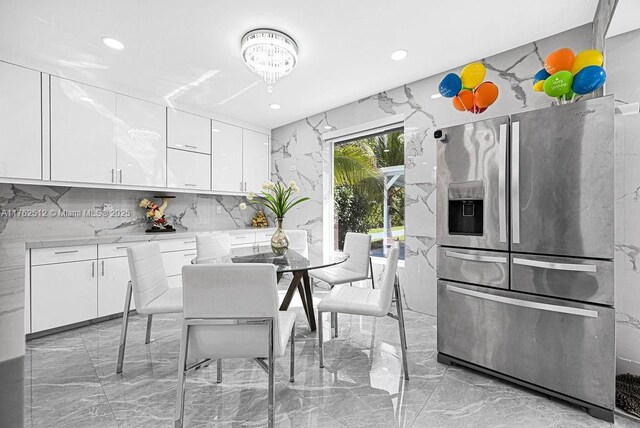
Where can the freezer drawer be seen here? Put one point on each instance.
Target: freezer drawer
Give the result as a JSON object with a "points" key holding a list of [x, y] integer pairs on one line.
{"points": [[490, 268], [565, 347], [575, 279]]}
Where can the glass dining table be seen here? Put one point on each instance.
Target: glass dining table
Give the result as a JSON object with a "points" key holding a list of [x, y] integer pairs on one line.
{"points": [[292, 262]]}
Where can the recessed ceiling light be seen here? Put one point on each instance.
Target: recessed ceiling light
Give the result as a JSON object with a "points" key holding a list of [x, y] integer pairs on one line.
{"points": [[215, 130], [399, 54], [112, 43], [328, 127], [86, 99], [434, 96], [274, 106]]}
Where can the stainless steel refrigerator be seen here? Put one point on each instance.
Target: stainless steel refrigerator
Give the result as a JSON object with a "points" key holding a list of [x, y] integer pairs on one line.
{"points": [[525, 250]]}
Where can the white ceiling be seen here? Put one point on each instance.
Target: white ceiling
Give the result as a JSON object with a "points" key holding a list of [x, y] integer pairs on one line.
{"points": [[188, 51], [626, 17]]}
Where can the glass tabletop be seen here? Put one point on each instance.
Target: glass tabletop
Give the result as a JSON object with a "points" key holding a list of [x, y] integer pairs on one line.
{"points": [[290, 262]]}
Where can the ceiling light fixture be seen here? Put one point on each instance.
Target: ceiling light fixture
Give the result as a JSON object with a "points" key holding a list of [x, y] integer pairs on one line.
{"points": [[274, 106], [434, 96], [399, 54], [112, 43], [270, 54]]}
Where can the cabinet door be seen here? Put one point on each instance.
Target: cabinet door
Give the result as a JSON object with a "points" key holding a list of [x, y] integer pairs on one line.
{"points": [[82, 133], [226, 158], [20, 122], [63, 294], [188, 170], [140, 142], [175, 260], [112, 285], [188, 131], [255, 159]]}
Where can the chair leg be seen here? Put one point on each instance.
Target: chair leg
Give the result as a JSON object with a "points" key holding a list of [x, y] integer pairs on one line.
{"points": [[335, 324], [125, 325], [321, 354], [147, 338], [373, 285], [403, 336], [182, 376], [219, 370], [293, 353], [272, 386]]}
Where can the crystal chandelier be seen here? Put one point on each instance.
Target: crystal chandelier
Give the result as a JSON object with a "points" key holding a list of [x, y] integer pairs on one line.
{"points": [[269, 53]]}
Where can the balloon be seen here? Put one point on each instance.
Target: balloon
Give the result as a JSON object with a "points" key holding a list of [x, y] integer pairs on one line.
{"points": [[569, 96], [558, 84], [478, 110], [586, 58], [463, 101], [589, 79], [450, 85], [559, 60], [540, 75], [473, 74], [538, 86], [485, 94]]}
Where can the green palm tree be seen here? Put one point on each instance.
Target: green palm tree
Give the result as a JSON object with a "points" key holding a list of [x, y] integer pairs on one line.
{"points": [[354, 164]]}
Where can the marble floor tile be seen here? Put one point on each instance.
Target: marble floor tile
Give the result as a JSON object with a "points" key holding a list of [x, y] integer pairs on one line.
{"points": [[71, 382]]}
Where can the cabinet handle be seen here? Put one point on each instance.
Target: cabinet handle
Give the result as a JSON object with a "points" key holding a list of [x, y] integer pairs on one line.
{"points": [[525, 303], [190, 255], [241, 185], [93, 270], [122, 248], [189, 242], [112, 175], [66, 252], [502, 183], [191, 147], [515, 182], [475, 257], [191, 185], [120, 176], [103, 268], [557, 266], [245, 186]]}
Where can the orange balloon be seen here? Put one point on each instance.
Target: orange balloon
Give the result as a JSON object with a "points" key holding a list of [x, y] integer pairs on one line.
{"points": [[485, 94], [464, 100], [559, 60]]}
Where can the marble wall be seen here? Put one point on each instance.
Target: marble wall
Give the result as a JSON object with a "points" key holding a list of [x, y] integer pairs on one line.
{"points": [[300, 145], [622, 62]]}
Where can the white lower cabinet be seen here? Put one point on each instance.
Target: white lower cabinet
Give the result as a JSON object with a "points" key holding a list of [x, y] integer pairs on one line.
{"points": [[175, 260], [112, 285], [188, 170], [63, 294]]}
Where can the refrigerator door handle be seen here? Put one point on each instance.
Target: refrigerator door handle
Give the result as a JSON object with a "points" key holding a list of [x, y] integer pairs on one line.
{"points": [[475, 257], [525, 303], [557, 266], [515, 182], [502, 183]]}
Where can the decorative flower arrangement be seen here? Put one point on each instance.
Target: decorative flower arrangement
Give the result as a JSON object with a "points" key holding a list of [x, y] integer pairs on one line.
{"points": [[279, 199]]}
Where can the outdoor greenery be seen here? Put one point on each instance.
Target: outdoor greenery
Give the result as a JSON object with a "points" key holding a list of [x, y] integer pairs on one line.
{"points": [[359, 185]]}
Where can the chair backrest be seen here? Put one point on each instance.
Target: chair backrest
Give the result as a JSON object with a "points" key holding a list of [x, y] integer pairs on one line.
{"points": [[230, 291], [298, 241], [214, 245], [388, 278], [148, 277], [358, 246]]}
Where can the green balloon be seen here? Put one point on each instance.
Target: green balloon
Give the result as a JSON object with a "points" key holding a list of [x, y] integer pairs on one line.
{"points": [[558, 84], [568, 96]]}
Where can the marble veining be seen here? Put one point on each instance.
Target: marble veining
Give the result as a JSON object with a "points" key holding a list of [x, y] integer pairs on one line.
{"points": [[71, 381]]}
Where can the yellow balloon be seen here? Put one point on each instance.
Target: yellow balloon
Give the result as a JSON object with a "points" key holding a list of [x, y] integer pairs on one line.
{"points": [[586, 58], [473, 74], [538, 86]]}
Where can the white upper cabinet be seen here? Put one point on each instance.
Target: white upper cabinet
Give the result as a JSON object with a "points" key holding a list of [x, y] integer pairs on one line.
{"points": [[82, 133], [226, 157], [20, 122], [188, 131], [140, 142], [255, 159], [188, 170]]}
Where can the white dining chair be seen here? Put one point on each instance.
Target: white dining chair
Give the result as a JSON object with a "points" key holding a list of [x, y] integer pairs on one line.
{"points": [[358, 266], [151, 292], [368, 302], [231, 311], [213, 246], [298, 241]]}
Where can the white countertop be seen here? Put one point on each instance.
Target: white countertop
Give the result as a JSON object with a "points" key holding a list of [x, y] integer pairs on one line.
{"points": [[128, 237]]}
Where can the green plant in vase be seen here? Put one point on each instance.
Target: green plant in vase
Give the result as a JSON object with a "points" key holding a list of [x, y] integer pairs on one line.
{"points": [[279, 199]]}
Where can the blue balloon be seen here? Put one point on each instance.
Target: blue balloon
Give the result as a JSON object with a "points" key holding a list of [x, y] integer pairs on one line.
{"points": [[588, 79], [540, 75], [450, 85]]}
